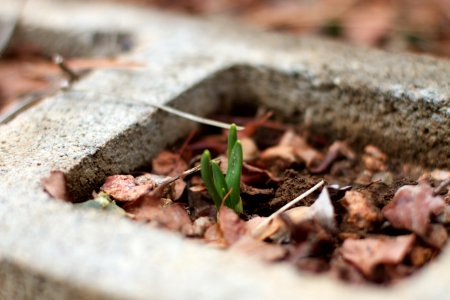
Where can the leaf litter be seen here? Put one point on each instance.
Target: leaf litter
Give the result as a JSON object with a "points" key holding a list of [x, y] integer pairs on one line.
{"points": [[322, 207]]}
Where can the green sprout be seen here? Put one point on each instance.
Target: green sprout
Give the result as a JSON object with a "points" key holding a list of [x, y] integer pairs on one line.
{"points": [[225, 189]]}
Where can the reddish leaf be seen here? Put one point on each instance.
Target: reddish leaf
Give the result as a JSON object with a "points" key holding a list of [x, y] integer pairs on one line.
{"points": [[436, 236], [337, 149], [145, 209], [232, 227], [173, 217], [168, 163], [361, 213], [412, 207], [367, 253], [374, 160], [125, 187], [370, 23], [56, 186]]}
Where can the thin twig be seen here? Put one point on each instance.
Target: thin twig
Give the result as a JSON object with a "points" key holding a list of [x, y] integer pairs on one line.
{"points": [[17, 108], [194, 118], [441, 187], [258, 230], [59, 61], [169, 180], [168, 109]]}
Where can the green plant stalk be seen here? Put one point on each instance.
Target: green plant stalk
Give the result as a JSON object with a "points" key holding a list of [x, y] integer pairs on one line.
{"points": [[233, 178], [218, 185], [232, 138], [208, 179], [219, 180]]}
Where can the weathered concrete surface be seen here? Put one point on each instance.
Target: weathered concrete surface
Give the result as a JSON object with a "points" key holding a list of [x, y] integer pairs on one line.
{"points": [[105, 125]]}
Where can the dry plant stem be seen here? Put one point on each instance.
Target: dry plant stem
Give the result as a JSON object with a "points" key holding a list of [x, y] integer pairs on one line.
{"points": [[59, 61], [165, 108], [258, 230], [194, 118], [441, 188]]}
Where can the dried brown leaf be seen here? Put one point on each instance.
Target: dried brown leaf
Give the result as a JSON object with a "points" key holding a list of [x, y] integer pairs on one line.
{"points": [[412, 207], [367, 253], [249, 149], [56, 186], [125, 187], [173, 217], [362, 214], [336, 150], [146, 209], [168, 163], [232, 227]]}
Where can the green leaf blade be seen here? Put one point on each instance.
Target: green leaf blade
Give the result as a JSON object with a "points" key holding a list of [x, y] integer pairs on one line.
{"points": [[208, 178], [232, 138], [233, 178], [219, 180]]}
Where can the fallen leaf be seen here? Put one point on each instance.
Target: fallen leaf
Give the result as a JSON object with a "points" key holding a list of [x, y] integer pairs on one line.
{"points": [[300, 148], [249, 149], [168, 163], [436, 236], [369, 24], [336, 150], [361, 213], [254, 174], [146, 208], [173, 217], [259, 249], [125, 187], [56, 186], [374, 159], [420, 255], [412, 207], [200, 225], [367, 253], [232, 227]]}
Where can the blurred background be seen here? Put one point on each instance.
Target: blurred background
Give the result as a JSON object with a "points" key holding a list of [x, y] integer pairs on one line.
{"points": [[400, 25], [419, 26]]}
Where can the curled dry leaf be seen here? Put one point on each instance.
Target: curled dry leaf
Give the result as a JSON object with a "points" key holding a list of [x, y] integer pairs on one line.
{"points": [[146, 208], [56, 186], [168, 163], [420, 255], [200, 226], [291, 148], [361, 213], [374, 159], [253, 174], [126, 188], [259, 249], [232, 227], [171, 164], [336, 150], [173, 217], [412, 207], [249, 148], [367, 253], [436, 236]]}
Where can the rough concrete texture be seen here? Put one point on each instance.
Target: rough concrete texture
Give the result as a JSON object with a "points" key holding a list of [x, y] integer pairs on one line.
{"points": [[106, 125]]}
